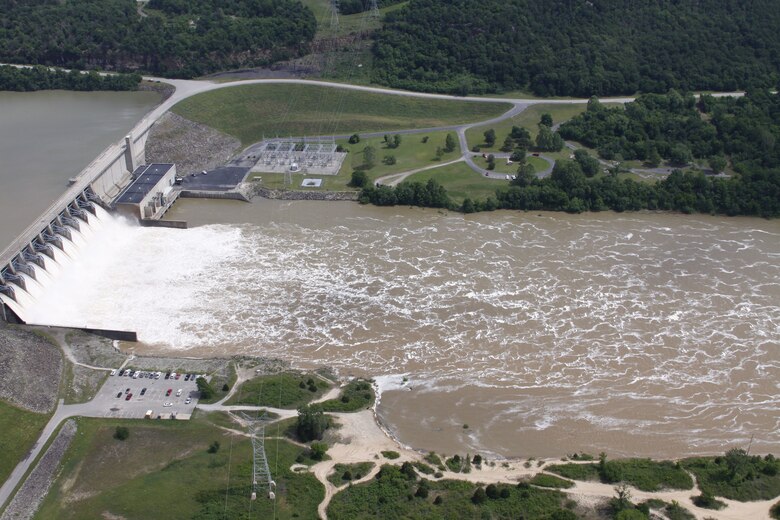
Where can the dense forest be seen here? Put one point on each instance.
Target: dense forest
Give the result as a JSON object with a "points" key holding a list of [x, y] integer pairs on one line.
{"points": [[171, 37], [579, 47], [745, 130], [43, 78]]}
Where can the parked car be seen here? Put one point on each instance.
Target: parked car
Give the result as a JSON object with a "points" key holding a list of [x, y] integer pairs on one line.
{"points": [[128, 397], [187, 401], [127, 391], [178, 376], [168, 392], [143, 391], [122, 372], [118, 395], [113, 372], [178, 392], [167, 375], [167, 404]]}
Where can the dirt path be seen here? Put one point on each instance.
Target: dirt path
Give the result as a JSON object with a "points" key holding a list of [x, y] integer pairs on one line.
{"points": [[394, 179]]}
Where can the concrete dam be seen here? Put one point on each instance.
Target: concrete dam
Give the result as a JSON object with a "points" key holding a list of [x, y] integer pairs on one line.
{"points": [[30, 262]]}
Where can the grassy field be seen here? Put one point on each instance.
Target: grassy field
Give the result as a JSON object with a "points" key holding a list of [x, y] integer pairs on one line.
{"points": [[285, 390], [460, 182], [392, 495], [19, 429], [357, 395], [250, 112], [550, 481], [164, 470], [528, 118]]}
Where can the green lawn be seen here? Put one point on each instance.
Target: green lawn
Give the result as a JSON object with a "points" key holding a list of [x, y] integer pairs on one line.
{"points": [[357, 395], [528, 118], [392, 495], [502, 167], [285, 390], [550, 481], [164, 470], [644, 474], [19, 429], [251, 112], [461, 181]]}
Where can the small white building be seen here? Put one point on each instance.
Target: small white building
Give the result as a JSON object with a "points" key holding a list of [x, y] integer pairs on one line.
{"points": [[150, 191]]}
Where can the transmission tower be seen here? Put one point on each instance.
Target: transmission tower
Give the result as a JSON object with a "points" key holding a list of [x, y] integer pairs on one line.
{"points": [[334, 15], [374, 9], [261, 473]]}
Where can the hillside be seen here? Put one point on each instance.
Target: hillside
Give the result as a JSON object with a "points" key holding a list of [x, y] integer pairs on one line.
{"points": [[579, 47], [167, 37]]}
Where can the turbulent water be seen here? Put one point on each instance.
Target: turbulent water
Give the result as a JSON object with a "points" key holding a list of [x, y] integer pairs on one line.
{"points": [[640, 334]]}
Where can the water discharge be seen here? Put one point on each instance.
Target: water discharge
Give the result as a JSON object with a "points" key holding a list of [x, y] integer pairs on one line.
{"points": [[636, 334]]}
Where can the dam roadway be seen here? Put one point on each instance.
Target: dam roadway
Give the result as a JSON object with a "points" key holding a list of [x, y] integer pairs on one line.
{"points": [[108, 173]]}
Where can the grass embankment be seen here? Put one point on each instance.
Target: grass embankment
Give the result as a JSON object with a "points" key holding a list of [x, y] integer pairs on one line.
{"points": [[394, 494], [550, 481], [358, 394], [346, 473], [285, 390], [164, 470], [252, 112], [228, 377], [644, 474], [19, 429], [412, 154], [737, 476]]}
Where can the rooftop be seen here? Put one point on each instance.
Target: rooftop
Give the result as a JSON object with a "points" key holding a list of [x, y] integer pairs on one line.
{"points": [[146, 178]]}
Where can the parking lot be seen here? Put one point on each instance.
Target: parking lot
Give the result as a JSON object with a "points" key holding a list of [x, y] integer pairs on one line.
{"points": [[112, 399]]}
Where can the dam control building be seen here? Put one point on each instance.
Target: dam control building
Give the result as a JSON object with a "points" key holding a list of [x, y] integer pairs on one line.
{"points": [[150, 193]]}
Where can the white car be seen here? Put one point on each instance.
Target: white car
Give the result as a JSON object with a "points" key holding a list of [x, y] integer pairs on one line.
{"points": [[188, 401], [167, 404], [113, 372], [178, 392]]}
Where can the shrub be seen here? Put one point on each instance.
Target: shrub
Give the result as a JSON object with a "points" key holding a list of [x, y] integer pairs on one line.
{"points": [[318, 450], [438, 500], [354, 139], [205, 389], [492, 491], [121, 433], [479, 496], [226, 388], [774, 512], [422, 489], [359, 179], [392, 455], [707, 501], [550, 481], [312, 423], [213, 447]]}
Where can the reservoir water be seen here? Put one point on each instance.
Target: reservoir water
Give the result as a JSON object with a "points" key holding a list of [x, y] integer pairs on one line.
{"points": [[637, 334], [48, 137]]}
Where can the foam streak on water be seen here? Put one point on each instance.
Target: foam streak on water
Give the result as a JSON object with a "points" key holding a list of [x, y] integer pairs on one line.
{"points": [[662, 327]]}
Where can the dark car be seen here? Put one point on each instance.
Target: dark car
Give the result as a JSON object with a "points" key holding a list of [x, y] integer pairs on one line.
{"points": [[128, 397], [186, 377], [127, 391], [122, 372], [168, 392], [119, 394], [143, 391], [167, 375]]}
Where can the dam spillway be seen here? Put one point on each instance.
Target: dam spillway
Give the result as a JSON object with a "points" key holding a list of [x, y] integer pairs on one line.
{"points": [[25, 276]]}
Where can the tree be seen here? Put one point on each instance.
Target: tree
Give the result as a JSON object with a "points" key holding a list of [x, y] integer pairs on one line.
{"points": [[467, 206], [318, 450], [439, 153], [491, 162], [312, 423], [396, 140], [680, 155], [525, 175], [369, 156], [623, 499], [359, 180], [121, 433], [490, 137], [548, 141], [389, 160], [518, 155], [449, 143], [738, 463], [546, 120], [226, 388], [521, 136], [205, 389], [509, 143], [213, 447], [590, 165], [354, 139], [422, 489], [717, 163], [630, 514], [479, 496], [492, 492], [653, 158]]}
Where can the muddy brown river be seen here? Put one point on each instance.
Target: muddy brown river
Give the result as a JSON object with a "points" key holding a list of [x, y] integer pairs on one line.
{"points": [[637, 334]]}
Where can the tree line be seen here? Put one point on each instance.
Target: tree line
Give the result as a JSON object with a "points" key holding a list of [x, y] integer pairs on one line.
{"points": [[577, 47], [44, 78], [175, 38]]}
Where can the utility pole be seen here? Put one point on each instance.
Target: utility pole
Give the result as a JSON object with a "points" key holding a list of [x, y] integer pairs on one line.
{"points": [[334, 15], [374, 10], [261, 473]]}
